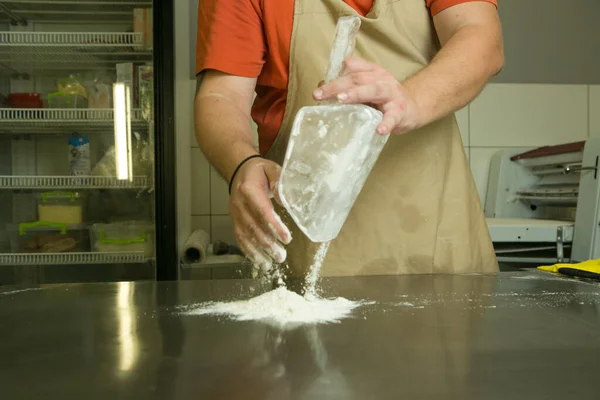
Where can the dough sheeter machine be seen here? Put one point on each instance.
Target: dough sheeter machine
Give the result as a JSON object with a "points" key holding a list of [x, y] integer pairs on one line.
{"points": [[543, 205]]}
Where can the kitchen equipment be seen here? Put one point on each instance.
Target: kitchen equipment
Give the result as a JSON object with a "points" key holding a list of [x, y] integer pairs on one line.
{"points": [[48, 237], [331, 152], [25, 100], [543, 205], [60, 207], [130, 236]]}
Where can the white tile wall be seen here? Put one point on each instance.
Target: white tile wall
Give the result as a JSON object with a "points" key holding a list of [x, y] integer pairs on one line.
{"points": [[200, 176], [222, 229], [595, 110], [480, 167], [507, 115], [219, 194], [193, 141], [201, 222]]}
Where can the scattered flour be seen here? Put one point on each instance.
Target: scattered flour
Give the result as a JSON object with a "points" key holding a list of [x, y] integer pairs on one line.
{"points": [[410, 305], [282, 307], [19, 291]]}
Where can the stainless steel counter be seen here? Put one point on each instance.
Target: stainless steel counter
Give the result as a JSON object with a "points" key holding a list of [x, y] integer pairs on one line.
{"points": [[516, 336]]}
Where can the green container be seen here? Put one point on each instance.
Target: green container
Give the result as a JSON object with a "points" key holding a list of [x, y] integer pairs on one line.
{"points": [[64, 100]]}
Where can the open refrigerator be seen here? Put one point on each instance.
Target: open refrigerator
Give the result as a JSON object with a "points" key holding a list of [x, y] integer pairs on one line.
{"points": [[86, 141]]}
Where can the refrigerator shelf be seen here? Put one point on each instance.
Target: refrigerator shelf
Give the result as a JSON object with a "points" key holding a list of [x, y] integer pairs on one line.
{"points": [[56, 120], [29, 52], [84, 41], [72, 258], [73, 182], [72, 11]]}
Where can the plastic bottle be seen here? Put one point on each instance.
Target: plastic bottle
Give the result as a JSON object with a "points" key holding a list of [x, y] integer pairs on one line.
{"points": [[79, 155]]}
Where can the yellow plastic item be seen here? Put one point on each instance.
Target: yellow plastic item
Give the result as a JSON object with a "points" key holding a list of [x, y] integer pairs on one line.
{"points": [[586, 269]]}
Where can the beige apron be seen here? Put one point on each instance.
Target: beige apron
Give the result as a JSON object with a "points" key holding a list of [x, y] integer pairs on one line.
{"points": [[419, 211]]}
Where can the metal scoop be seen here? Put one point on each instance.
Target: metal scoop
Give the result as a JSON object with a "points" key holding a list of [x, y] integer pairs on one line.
{"points": [[331, 152]]}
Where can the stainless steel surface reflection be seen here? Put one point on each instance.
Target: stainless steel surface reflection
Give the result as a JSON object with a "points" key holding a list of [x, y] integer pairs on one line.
{"points": [[514, 336]]}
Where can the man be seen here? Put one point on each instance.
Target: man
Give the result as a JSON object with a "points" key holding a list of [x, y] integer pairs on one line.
{"points": [[418, 62]]}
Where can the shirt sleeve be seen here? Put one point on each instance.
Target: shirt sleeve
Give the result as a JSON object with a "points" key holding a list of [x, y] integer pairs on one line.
{"points": [[436, 6], [230, 37]]}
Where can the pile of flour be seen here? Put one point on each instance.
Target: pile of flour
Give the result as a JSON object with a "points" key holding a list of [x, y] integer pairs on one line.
{"points": [[282, 307]]}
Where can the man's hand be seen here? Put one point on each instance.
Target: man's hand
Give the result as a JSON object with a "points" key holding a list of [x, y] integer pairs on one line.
{"points": [[222, 120], [364, 82], [471, 39], [258, 229]]}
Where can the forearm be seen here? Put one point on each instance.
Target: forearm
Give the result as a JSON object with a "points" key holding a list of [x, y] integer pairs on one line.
{"points": [[223, 131], [457, 74]]}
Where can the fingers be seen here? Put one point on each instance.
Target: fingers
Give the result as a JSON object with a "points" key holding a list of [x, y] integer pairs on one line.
{"points": [[260, 248], [378, 93], [273, 222], [357, 64], [356, 67], [341, 85], [259, 231], [363, 82], [367, 83], [263, 238], [255, 255], [262, 210], [261, 215], [273, 172], [387, 124], [274, 193]]}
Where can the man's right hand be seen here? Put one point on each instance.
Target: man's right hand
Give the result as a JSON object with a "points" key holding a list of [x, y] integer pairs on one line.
{"points": [[222, 122], [259, 231]]}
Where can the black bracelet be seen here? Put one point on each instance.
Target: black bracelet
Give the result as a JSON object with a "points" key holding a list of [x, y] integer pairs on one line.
{"points": [[240, 166]]}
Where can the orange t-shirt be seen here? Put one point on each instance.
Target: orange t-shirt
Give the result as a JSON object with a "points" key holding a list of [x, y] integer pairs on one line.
{"points": [[251, 38]]}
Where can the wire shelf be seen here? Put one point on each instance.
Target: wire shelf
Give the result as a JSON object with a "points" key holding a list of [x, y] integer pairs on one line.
{"points": [[72, 258], [57, 120], [81, 40], [30, 52], [78, 11], [72, 182]]}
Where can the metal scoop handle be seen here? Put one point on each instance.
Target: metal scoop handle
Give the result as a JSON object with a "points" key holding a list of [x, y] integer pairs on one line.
{"points": [[343, 45]]}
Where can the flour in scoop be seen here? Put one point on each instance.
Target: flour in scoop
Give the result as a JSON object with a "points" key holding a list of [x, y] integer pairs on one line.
{"points": [[282, 307]]}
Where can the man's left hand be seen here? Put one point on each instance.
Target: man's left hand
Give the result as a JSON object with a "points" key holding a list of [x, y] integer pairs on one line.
{"points": [[364, 82]]}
